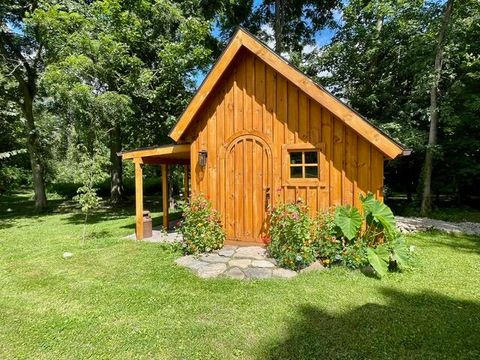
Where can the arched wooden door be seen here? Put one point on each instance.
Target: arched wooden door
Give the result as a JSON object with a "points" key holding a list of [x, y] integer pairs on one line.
{"points": [[248, 187]]}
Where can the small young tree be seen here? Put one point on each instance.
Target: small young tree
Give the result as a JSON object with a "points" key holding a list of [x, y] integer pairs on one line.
{"points": [[90, 172]]}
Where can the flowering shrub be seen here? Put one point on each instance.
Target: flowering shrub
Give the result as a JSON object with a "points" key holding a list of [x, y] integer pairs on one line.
{"points": [[292, 240], [201, 226], [354, 255], [334, 246], [329, 246]]}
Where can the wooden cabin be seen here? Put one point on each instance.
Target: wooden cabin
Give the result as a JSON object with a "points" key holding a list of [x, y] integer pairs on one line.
{"points": [[259, 132]]}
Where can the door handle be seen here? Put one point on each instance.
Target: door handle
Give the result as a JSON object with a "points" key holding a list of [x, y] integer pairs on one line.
{"points": [[267, 198]]}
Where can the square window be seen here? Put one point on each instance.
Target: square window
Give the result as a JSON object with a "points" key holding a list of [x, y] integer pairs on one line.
{"points": [[295, 158], [311, 157], [303, 164], [296, 172]]}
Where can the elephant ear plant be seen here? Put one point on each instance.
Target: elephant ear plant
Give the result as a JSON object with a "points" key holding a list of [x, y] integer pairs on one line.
{"points": [[374, 230]]}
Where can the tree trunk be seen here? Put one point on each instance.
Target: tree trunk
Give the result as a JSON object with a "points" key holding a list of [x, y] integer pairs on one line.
{"points": [[432, 136], [279, 24], [116, 168], [33, 147]]}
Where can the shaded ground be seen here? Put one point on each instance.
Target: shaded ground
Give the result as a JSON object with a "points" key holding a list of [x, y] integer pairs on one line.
{"points": [[125, 299], [420, 325]]}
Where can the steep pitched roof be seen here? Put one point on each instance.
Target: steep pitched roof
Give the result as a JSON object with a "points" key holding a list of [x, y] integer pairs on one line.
{"points": [[243, 39]]}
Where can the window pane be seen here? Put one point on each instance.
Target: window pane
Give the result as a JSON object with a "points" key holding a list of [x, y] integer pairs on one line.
{"points": [[311, 171], [296, 171], [295, 158], [311, 157]]}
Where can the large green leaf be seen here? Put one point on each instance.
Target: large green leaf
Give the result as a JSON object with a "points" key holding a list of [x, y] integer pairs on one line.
{"points": [[349, 220], [378, 259], [401, 254], [378, 214]]}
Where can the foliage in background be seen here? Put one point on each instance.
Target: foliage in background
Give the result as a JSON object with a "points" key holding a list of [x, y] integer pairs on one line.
{"points": [[21, 64], [137, 62], [123, 63], [381, 62], [200, 226], [14, 162], [289, 26], [127, 63], [292, 241]]}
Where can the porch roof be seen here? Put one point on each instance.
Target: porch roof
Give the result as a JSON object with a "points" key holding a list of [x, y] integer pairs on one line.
{"points": [[163, 154]]}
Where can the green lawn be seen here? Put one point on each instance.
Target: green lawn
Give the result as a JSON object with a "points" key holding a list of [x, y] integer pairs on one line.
{"points": [[126, 299]]}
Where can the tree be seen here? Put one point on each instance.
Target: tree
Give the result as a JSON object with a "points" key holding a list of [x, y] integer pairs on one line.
{"points": [[434, 111], [291, 25], [457, 153], [22, 58], [139, 51], [378, 62], [89, 172]]}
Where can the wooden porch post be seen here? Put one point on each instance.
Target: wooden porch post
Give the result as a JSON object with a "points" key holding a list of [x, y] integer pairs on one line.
{"points": [[138, 199], [165, 195], [185, 182]]}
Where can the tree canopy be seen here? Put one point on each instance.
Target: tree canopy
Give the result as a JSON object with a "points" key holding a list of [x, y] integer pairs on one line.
{"points": [[87, 73]]}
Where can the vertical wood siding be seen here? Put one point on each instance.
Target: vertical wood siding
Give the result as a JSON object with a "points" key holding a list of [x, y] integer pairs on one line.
{"points": [[252, 98]]}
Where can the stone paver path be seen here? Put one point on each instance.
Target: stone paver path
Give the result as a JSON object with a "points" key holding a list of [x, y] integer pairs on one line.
{"points": [[249, 262], [411, 224]]}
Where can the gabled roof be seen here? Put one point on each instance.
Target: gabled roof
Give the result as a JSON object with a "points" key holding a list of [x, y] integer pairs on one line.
{"points": [[243, 39]]}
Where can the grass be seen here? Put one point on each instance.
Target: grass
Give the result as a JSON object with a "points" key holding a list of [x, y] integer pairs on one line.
{"points": [[125, 299]]}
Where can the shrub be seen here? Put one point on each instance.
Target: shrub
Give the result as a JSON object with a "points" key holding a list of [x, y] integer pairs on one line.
{"points": [[292, 234], [354, 255], [13, 177], [329, 245], [201, 226], [333, 245], [371, 239]]}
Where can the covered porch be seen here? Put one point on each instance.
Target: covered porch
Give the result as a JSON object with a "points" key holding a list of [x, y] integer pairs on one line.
{"points": [[165, 156]]}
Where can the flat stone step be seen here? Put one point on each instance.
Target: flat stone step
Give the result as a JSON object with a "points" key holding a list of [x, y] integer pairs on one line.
{"points": [[262, 264], [241, 263], [235, 273]]}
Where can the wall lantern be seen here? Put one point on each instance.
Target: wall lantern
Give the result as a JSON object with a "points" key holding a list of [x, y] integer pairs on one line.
{"points": [[202, 158]]}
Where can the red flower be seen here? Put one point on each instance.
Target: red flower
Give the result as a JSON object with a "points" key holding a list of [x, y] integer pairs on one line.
{"points": [[266, 239]]}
